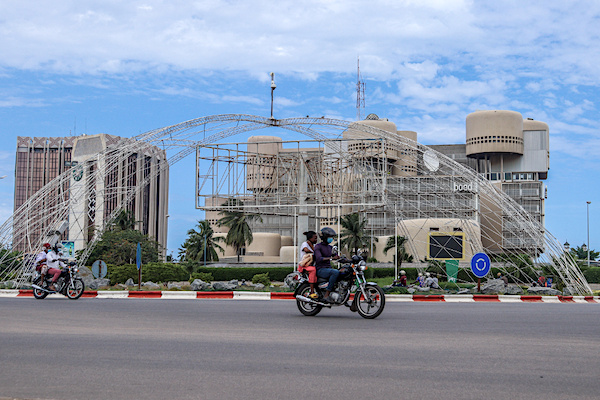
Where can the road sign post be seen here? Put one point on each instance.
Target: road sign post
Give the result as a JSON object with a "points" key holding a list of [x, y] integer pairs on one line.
{"points": [[138, 260], [99, 269], [480, 266]]}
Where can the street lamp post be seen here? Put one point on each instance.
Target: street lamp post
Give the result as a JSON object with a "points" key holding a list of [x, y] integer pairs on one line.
{"points": [[588, 233]]}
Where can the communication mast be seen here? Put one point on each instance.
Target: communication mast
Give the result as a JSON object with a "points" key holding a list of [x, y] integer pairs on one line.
{"points": [[360, 91]]}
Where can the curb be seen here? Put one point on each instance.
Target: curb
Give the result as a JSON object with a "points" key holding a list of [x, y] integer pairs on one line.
{"points": [[243, 295]]}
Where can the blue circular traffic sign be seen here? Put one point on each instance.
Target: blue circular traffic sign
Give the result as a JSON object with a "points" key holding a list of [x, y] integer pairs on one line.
{"points": [[480, 264], [99, 269]]}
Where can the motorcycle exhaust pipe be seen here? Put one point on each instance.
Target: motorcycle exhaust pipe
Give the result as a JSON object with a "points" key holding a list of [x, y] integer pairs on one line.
{"points": [[311, 301], [39, 288]]}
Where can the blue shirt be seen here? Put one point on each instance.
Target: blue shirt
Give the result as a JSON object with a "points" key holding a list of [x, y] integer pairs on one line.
{"points": [[323, 250]]}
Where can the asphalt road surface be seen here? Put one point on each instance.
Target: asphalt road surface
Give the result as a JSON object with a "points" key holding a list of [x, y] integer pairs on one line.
{"points": [[224, 349]]}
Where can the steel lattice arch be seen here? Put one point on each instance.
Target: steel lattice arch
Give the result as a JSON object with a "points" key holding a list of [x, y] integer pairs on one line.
{"points": [[484, 208]]}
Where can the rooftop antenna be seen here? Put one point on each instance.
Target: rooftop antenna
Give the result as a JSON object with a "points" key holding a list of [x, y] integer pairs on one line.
{"points": [[273, 87], [360, 91]]}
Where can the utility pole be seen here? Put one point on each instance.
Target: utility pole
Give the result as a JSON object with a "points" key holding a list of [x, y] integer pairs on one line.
{"points": [[588, 233], [360, 91], [273, 87]]}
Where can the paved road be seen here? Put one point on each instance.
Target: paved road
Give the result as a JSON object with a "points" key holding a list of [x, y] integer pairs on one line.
{"points": [[222, 349]]}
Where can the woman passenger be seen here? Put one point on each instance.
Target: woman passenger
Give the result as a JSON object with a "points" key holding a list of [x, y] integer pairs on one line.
{"points": [[307, 250]]}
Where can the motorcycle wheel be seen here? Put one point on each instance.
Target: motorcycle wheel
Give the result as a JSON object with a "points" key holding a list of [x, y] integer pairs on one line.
{"points": [[308, 309], [37, 293], [75, 289], [371, 303]]}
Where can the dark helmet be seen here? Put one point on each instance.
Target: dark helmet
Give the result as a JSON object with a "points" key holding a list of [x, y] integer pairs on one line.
{"points": [[327, 232]]}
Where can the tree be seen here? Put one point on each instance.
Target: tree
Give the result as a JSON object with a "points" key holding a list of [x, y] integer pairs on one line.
{"points": [[401, 255], [353, 232], [240, 234], [123, 221], [197, 241], [579, 254], [119, 247], [8, 258]]}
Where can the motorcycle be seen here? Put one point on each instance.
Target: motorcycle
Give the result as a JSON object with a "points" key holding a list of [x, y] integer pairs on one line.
{"points": [[68, 283], [368, 301]]}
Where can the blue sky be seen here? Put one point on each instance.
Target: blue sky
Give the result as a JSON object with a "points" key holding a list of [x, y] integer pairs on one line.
{"points": [[128, 67]]}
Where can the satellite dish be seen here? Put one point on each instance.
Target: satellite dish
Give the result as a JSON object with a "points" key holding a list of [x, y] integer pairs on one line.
{"points": [[431, 161]]}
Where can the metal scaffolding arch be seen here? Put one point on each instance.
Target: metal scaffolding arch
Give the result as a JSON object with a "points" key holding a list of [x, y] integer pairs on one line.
{"points": [[38, 219]]}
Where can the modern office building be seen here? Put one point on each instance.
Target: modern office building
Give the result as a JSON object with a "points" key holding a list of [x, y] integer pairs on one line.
{"points": [[41, 159], [298, 188]]}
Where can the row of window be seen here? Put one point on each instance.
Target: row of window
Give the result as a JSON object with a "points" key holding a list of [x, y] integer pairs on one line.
{"points": [[495, 139], [511, 176], [433, 229]]}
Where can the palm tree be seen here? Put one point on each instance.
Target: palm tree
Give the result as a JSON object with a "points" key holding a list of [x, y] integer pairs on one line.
{"points": [[125, 220], [579, 254], [199, 242], [402, 255], [240, 234], [353, 232]]}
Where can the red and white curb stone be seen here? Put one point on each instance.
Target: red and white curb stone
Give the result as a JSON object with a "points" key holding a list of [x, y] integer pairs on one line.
{"points": [[244, 295]]}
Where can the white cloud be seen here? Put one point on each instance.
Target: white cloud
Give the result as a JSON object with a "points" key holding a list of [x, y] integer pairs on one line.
{"points": [[242, 99], [311, 36], [21, 102]]}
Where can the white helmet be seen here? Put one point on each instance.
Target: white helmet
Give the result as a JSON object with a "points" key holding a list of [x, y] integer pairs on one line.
{"points": [[402, 272], [420, 274], [427, 274]]}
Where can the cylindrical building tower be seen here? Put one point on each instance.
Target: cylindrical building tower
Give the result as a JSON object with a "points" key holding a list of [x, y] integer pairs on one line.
{"points": [[262, 159], [497, 131]]}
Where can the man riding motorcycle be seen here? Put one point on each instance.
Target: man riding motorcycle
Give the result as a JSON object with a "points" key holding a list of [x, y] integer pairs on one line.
{"points": [[47, 262], [323, 256], [40, 261]]}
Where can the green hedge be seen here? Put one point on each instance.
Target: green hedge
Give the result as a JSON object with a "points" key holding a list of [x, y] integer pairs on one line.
{"points": [[239, 273], [165, 272], [155, 272], [592, 274]]}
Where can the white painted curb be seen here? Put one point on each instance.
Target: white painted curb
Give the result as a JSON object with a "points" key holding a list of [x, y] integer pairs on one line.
{"points": [[251, 295], [398, 297], [459, 298], [550, 299], [178, 295], [105, 294]]}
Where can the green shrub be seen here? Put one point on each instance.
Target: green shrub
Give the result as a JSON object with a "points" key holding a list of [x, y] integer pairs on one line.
{"points": [[411, 273], [155, 272], [592, 274], [204, 276], [396, 290], [239, 273], [261, 278]]}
